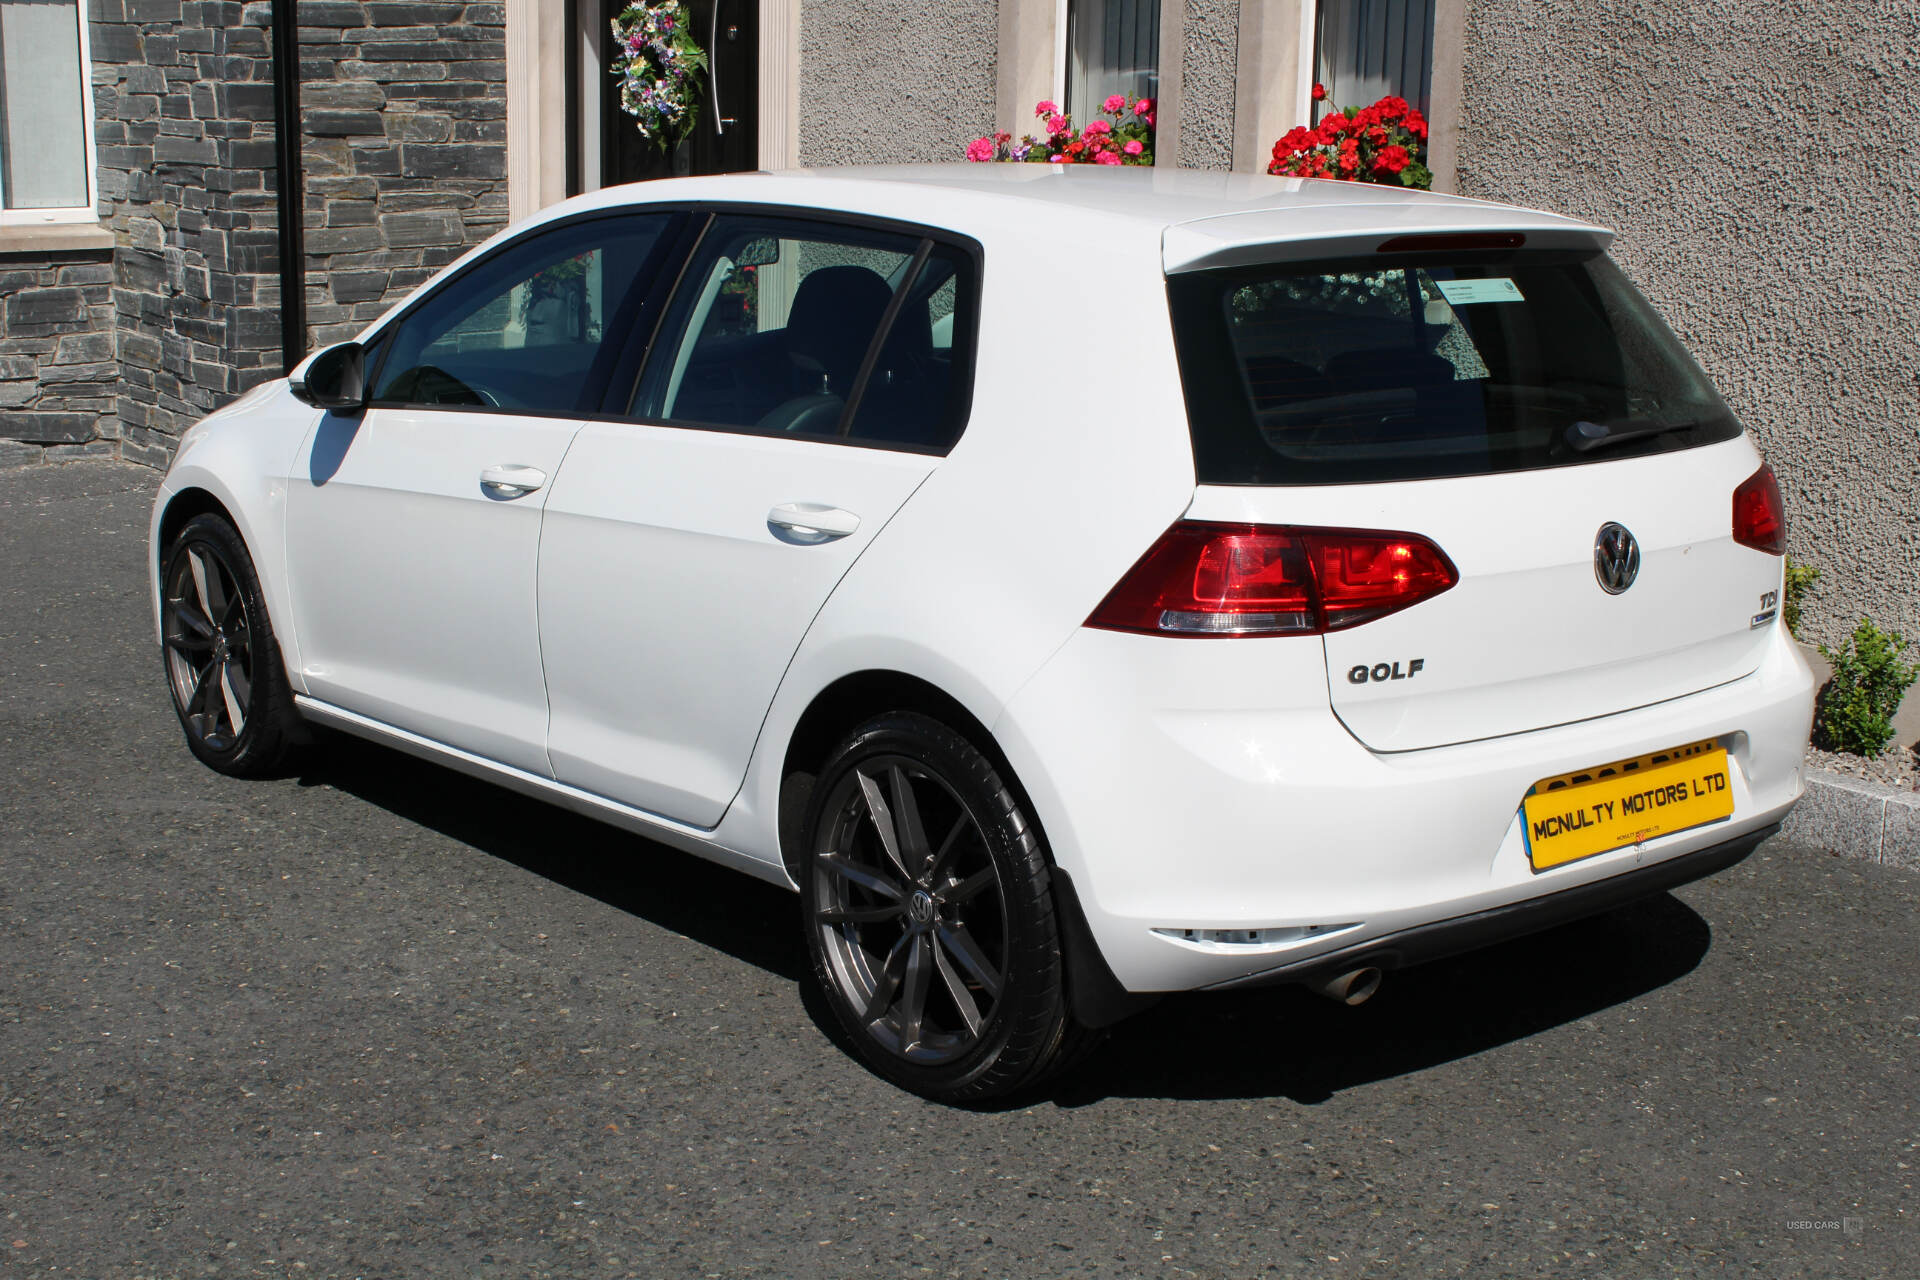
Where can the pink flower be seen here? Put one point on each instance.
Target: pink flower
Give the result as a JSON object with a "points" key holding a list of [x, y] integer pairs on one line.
{"points": [[1056, 159], [1143, 106], [1133, 148], [1116, 103], [1057, 123], [980, 150], [1098, 127], [1106, 157], [1046, 107], [1146, 118]]}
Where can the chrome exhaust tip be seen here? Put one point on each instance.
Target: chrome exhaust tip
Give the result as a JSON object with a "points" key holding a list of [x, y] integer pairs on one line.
{"points": [[1356, 986]]}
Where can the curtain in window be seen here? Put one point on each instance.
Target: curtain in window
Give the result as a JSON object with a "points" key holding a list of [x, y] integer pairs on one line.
{"points": [[1113, 46], [1368, 49], [43, 144]]}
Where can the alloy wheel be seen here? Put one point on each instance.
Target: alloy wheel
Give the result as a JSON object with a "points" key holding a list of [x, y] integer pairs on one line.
{"points": [[911, 909], [209, 645]]}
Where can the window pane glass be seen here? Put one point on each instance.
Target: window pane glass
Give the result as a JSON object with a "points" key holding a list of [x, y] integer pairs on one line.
{"points": [[914, 395], [1368, 49], [771, 325], [522, 330], [1329, 374], [43, 144], [1113, 46]]}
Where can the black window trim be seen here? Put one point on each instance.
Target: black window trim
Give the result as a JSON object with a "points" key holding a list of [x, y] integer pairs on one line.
{"points": [[682, 242]]}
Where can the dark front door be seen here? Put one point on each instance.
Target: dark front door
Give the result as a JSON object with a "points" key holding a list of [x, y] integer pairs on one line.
{"points": [[727, 139]]}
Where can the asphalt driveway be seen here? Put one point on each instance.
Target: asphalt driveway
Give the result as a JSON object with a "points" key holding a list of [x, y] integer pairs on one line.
{"points": [[378, 1020]]}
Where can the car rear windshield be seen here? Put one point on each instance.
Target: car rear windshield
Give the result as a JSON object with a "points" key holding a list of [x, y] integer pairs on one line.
{"points": [[1395, 368]]}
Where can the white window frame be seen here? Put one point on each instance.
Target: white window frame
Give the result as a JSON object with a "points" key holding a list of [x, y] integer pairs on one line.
{"points": [[67, 214]]}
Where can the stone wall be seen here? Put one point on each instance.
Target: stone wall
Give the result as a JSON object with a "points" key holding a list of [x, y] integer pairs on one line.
{"points": [[183, 107], [404, 106], [1750, 156], [57, 370], [404, 150]]}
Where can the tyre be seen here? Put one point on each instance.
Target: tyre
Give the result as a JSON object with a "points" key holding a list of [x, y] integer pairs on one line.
{"points": [[223, 666], [928, 916]]}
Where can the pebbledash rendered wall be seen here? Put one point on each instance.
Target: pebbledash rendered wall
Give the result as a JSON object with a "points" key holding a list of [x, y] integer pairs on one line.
{"points": [[906, 81], [1756, 159], [404, 148]]}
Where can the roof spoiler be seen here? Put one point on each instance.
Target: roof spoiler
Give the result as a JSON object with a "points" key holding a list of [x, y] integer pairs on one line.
{"points": [[1356, 231]]}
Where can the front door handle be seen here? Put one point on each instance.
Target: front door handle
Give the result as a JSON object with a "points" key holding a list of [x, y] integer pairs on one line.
{"points": [[808, 524], [512, 481]]}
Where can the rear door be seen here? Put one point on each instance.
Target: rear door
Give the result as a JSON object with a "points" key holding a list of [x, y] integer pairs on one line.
{"points": [[1531, 416], [691, 539]]}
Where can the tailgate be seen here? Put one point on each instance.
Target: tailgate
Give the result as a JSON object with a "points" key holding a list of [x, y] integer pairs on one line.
{"points": [[1529, 638]]}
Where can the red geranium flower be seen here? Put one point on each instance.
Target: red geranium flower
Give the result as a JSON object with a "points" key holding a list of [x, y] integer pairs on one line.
{"points": [[1392, 159]]}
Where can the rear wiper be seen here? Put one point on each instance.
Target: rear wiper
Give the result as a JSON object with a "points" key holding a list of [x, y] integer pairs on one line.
{"points": [[1585, 437]]}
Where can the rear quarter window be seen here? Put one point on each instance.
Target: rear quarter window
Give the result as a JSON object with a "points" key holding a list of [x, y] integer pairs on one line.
{"points": [[1390, 369]]}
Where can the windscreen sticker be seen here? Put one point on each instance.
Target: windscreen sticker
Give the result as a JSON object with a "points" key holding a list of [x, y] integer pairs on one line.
{"points": [[1462, 292]]}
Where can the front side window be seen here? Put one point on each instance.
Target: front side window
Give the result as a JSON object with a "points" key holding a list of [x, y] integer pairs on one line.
{"points": [[45, 161], [795, 327], [524, 329], [1385, 369]]}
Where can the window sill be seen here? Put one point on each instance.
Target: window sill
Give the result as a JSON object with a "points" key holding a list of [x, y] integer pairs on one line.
{"points": [[53, 237]]}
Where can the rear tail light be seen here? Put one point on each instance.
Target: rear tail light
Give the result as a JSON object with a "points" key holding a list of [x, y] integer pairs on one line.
{"points": [[1759, 515], [1205, 579]]}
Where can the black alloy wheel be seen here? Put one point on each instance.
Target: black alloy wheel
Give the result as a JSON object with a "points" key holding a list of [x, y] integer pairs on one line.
{"points": [[929, 921], [222, 663]]}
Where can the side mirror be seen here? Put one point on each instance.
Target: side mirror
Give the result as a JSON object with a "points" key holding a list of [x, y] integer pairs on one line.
{"points": [[332, 378]]}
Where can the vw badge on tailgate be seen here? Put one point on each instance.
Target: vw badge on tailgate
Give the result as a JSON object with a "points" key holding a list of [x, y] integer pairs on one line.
{"points": [[1616, 558]]}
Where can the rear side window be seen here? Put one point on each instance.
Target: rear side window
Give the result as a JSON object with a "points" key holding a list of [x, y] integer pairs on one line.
{"points": [[1390, 369], [789, 326]]}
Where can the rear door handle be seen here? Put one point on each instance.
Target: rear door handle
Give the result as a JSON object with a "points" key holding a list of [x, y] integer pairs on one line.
{"points": [[808, 524], [512, 481]]}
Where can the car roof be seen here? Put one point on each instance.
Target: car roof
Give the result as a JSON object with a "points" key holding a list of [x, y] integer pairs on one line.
{"points": [[1203, 218]]}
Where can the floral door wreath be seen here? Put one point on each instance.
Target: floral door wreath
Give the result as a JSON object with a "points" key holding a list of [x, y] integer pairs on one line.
{"points": [[661, 69]]}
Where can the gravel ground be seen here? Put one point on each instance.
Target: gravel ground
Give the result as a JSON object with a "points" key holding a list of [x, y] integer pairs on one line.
{"points": [[375, 1019], [1896, 767]]}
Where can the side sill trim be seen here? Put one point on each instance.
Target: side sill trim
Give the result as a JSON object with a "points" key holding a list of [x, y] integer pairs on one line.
{"points": [[694, 840], [1444, 938]]}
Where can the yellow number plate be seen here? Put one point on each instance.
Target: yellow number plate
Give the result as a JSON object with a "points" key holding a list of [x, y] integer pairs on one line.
{"points": [[1578, 815]]}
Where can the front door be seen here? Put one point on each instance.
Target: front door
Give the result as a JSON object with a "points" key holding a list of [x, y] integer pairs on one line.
{"points": [[413, 529], [727, 138]]}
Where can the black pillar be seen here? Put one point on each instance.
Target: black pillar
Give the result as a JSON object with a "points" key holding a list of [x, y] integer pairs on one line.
{"points": [[286, 151]]}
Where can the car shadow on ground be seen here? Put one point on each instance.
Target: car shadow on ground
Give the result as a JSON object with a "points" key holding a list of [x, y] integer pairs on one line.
{"points": [[718, 907], [1275, 1042], [1287, 1042]]}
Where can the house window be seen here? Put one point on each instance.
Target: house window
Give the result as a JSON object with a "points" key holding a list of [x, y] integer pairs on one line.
{"points": [[1112, 46], [46, 156], [1367, 49]]}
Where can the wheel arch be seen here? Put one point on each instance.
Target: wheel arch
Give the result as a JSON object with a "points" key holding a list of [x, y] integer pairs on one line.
{"points": [[1095, 993], [183, 506], [200, 492]]}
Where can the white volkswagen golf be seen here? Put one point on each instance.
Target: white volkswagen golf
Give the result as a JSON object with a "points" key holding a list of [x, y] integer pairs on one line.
{"points": [[1079, 584]]}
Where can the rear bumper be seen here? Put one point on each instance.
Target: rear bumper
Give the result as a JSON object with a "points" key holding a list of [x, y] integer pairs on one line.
{"points": [[1444, 938], [1203, 786]]}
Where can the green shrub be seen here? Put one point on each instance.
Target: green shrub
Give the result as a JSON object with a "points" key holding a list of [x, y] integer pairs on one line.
{"points": [[1855, 712], [1800, 580]]}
